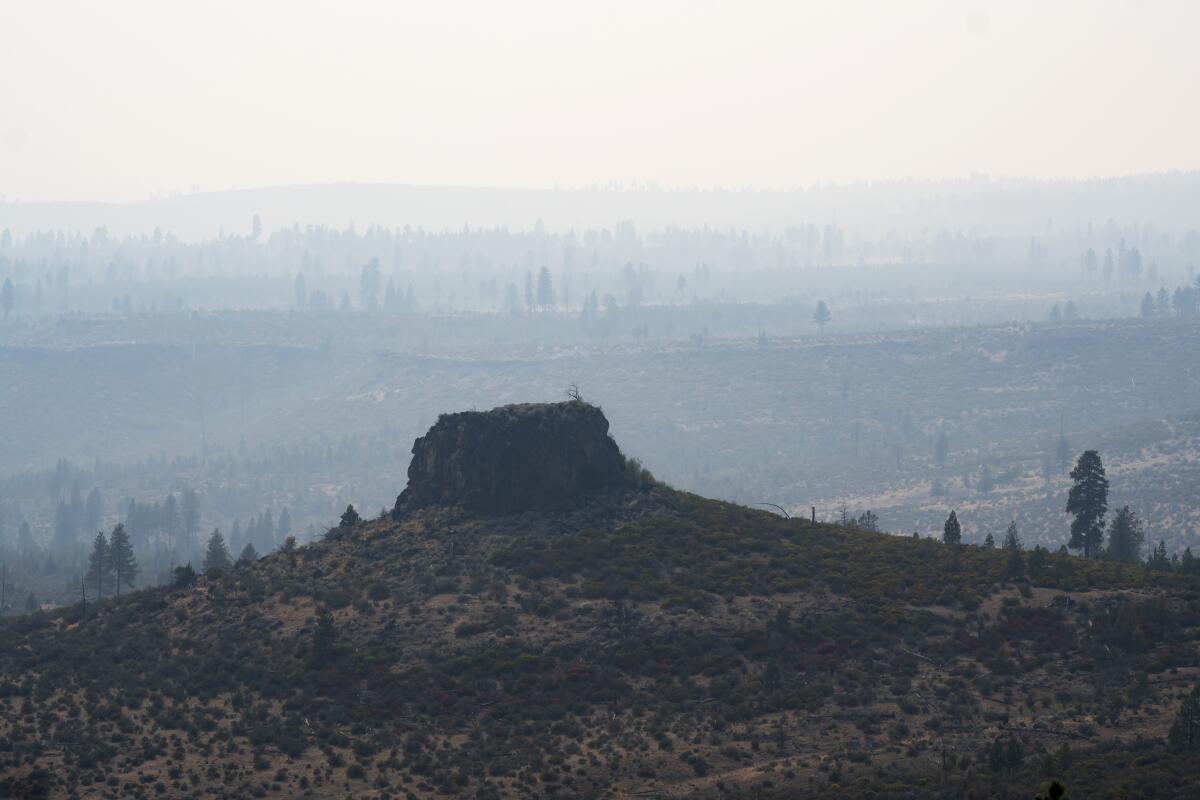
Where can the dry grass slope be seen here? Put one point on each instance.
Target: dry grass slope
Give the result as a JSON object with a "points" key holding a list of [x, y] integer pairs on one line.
{"points": [[652, 643]]}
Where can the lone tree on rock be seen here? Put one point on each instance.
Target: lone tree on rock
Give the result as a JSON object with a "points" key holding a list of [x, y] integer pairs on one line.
{"points": [[1088, 501], [952, 531]]}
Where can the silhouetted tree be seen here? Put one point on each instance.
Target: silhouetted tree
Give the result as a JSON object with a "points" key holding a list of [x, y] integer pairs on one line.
{"points": [[350, 517], [249, 554], [952, 531], [124, 565], [1159, 558], [99, 571], [1012, 539], [1088, 502], [1185, 731], [822, 315], [1147, 308], [1125, 537], [545, 289], [216, 557], [183, 576]]}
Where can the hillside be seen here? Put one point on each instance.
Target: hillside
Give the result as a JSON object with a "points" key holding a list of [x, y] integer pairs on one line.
{"points": [[613, 637]]}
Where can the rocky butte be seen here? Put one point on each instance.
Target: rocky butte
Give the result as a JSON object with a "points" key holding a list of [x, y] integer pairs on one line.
{"points": [[530, 456]]}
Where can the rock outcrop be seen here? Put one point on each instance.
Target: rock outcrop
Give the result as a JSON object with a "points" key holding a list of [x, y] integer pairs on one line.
{"points": [[551, 456]]}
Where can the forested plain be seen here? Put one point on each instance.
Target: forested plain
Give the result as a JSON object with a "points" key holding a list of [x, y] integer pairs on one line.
{"points": [[179, 387]]}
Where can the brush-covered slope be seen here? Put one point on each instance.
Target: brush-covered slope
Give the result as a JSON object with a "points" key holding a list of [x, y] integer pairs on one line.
{"points": [[645, 643]]}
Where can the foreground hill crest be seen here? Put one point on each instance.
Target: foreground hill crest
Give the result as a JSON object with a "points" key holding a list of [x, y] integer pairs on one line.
{"points": [[529, 456]]}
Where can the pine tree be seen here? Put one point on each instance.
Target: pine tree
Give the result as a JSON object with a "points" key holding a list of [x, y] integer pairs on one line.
{"points": [[1158, 558], [1125, 537], [99, 572], [350, 517], [989, 542], [952, 531], [1185, 732], [216, 557], [1088, 501], [124, 565], [821, 315], [1147, 306], [249, 554], [545, 289], [1012, 539]]}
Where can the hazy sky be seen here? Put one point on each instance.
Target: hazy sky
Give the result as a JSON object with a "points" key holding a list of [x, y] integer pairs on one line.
{"points": [[116, 100]]}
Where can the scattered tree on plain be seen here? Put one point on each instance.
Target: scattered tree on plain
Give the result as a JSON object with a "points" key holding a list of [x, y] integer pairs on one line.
{"points": [[822, 315], [1088, 502]]}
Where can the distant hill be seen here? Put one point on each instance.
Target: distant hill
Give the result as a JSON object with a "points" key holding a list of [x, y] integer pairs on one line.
{"points": [[989, 207], [620, 640]]}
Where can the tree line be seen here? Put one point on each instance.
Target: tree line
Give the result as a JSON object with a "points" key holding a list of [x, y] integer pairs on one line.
{"points": [[1087, 503]]}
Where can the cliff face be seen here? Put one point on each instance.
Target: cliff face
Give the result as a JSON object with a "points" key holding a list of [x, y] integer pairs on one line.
{"points": [[514, 458]]}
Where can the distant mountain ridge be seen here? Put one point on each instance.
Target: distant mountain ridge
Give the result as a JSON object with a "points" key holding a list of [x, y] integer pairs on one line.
{"points": [[1000, 207]]}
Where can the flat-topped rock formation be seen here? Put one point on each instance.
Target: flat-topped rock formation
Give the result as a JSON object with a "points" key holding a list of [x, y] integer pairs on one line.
{"points": [[551, 456]]}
